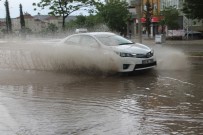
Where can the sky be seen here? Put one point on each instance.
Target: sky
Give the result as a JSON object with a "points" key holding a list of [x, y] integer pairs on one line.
{"points": [[14, 8], [27, 7]]}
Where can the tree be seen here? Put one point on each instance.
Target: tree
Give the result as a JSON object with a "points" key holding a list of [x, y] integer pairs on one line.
{"points": [[80, 21], [93, 20], [193, 9], [170, 17], [63, 7], [115, 15], [22, 20], [148, 15], [52, 28], [8, 18], [85, 21]]}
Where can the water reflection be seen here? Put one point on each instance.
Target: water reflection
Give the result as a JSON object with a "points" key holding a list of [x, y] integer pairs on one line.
{"points": [[156, 102]]}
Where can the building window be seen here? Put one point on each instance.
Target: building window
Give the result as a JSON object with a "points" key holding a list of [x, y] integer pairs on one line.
{"points": [[167, 3]]}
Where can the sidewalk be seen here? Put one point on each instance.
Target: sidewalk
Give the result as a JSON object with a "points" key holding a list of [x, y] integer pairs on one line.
{"points": [[184, 42], [171, 42], [185, 45], [193, 48]]}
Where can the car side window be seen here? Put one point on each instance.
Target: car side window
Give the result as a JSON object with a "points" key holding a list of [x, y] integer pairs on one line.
{"points": [[88, 41], [74, 40]]}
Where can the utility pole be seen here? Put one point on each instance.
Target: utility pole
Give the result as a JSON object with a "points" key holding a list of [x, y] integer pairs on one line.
{"points": [[186, 25], [138, 6]]}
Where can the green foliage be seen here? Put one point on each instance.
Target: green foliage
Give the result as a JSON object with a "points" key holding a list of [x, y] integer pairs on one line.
{"points": [[63, 7], [28, 30], [193, 9], [81, 21], [85, 21], [8, 18], [115, 15], [170, 17], [93, 20], [22, 20], [52, 28]]}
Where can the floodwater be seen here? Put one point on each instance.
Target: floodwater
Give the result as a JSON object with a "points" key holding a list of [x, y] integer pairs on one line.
{"points": [[41, 95]]}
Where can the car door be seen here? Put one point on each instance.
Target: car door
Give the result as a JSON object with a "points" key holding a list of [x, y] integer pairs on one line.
{"points": [[88, 41], [73, 40]]}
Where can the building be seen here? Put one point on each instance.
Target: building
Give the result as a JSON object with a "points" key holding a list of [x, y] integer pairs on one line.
{"points": [[2, 24], [185, 24], [156, 7], [34, 24], [57, 21], [2, 27], [31, 24], [176, 3], [155, 18]]}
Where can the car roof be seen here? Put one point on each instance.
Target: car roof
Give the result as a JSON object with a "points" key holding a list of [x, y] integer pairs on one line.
{"points": [[89, 33], [96, 33]]}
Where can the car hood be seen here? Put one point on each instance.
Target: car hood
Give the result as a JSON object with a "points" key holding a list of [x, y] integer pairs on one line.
{"points": [[132, 48]]}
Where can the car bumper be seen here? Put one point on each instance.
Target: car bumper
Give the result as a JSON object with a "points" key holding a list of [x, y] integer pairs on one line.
{"points": [[129, 64]]}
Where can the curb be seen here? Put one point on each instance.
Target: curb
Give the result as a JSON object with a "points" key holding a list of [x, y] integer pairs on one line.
{"points": [[195, 57]]}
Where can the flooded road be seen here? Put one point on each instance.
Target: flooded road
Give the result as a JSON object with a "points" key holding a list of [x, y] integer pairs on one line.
{"points": [[51, 102]]}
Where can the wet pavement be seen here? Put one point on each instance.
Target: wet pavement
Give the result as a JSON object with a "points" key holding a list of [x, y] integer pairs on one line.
{"points": [[166, 100], [184, 45]]}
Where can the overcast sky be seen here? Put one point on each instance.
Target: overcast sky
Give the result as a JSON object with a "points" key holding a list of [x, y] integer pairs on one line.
{"points": [[27, 7], [14, 8]]}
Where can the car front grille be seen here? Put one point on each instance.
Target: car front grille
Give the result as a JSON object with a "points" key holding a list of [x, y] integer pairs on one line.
{"points": [[147, 55], [138, 66]]}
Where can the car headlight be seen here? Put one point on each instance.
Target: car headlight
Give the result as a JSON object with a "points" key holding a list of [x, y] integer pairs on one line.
{"points": [[152, 50], [126, 54], [149, 54]]}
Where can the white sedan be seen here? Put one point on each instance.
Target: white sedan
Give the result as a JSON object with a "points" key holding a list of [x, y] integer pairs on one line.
{"points": [[132, 56]]}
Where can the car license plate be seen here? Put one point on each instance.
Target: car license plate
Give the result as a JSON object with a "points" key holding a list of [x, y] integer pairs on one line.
{"points": [[147, 61]]}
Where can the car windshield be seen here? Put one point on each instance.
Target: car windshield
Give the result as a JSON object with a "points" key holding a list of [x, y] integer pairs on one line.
{"points": [[113, 40]]}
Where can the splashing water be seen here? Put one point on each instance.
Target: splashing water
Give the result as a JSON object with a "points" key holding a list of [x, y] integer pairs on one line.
{"points": [[171, 58], [47, 56]]}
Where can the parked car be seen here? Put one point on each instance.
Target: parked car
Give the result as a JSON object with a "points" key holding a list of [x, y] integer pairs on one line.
{"points": [[194, 35], [133, 56]]}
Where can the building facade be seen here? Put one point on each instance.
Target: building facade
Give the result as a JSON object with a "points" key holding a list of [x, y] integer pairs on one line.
{"points": [[155, 4], [34, 23], [176, 3], [185, 24]]}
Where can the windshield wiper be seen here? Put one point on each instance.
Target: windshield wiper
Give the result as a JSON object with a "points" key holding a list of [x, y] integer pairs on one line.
{"points": [[126, 43]]}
